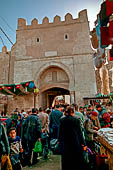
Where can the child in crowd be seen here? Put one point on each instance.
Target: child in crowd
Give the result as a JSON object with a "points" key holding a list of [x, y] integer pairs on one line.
{"points": [[15, 148]]}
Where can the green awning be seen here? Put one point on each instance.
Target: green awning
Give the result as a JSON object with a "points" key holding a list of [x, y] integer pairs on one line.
{"points": [[18, 89]]}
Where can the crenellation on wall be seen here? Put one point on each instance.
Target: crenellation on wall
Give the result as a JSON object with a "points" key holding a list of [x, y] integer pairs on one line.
{"points": [[83, 16], [21, 23], [4, 49], [68, 19], [34, 22], [57, 19], [45, 20]]}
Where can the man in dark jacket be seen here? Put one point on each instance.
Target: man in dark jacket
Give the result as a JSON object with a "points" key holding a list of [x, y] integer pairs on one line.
{"points": [[31, 132], [55, 122], [71, 141], [4, 144]]}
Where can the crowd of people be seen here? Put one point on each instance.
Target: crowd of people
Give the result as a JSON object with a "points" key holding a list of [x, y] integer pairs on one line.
{"points": [[74, 127]]}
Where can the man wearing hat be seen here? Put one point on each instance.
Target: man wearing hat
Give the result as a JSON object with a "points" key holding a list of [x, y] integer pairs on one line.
{"points": [[91, 127], [101, 110]]}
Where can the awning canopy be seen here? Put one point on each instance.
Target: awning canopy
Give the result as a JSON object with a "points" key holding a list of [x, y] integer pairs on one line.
{"points": [[100, 96], [18, 89]]}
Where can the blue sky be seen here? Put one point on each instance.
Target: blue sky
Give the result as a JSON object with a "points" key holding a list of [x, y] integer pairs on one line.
{"points": [[11, 10]]}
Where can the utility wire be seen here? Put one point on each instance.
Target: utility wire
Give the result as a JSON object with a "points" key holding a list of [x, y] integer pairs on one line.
{"points": [[7, 24], [2, 41], [6, 35]]}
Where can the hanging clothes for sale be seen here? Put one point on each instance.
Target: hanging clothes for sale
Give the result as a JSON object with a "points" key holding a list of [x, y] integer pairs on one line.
{"points": [[111, 29], [109, 7], [98, 30], [111, 54], [104, 19], [105, 40]]}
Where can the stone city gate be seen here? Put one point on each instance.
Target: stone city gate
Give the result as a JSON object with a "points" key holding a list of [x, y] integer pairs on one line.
{"points": [[53, 81]]}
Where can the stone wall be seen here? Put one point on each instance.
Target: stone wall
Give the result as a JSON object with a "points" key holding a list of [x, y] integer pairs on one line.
{"points": [[21, 102], [4, 66]]}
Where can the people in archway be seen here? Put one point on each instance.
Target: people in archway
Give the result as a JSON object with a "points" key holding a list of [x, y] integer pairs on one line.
{"points": [[54, 117]]}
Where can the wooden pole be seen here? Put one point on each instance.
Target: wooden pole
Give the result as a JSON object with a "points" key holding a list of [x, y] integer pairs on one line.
{"points": [[35, 100]]}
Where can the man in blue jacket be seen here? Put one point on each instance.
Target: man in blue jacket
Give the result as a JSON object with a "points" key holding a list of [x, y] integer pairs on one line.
{"points": [[55, 122]]}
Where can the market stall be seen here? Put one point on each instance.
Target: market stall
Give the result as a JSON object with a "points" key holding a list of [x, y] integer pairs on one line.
{"points": [[21, 95], [99, 98], [105, 138]]}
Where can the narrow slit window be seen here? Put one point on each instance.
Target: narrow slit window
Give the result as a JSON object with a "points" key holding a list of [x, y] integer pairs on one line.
{"points": [[38, 40], [66, 36]]}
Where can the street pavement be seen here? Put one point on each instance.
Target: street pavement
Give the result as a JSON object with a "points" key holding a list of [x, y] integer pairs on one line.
{"points": [[53, 163]]}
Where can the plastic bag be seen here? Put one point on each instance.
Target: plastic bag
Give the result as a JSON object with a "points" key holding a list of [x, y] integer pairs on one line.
{"points": [[38, 147]]}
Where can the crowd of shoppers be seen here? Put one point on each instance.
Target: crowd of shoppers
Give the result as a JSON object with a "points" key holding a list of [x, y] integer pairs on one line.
{"points": [[74, 127]]}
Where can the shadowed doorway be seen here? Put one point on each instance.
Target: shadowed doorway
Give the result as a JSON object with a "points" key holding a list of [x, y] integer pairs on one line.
{"points": [[51, 93]]}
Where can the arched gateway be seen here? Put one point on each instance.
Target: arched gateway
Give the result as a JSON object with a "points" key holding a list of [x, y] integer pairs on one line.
{"points": [[53, 80]]}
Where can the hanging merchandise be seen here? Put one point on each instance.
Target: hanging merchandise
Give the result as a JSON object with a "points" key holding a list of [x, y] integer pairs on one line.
{"points": [[14, 89], [27, 84], [8, 88], [25, 89], [105, 38], [17, 89], [109, 7], [98, 30], [104, 19], [17, 86], [31, 85], [36, 91], [111, 54], [111, 30]]}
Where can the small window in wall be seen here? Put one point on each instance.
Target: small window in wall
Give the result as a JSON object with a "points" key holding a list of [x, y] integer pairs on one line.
{"points": [[38, 40], [66, 36]]}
